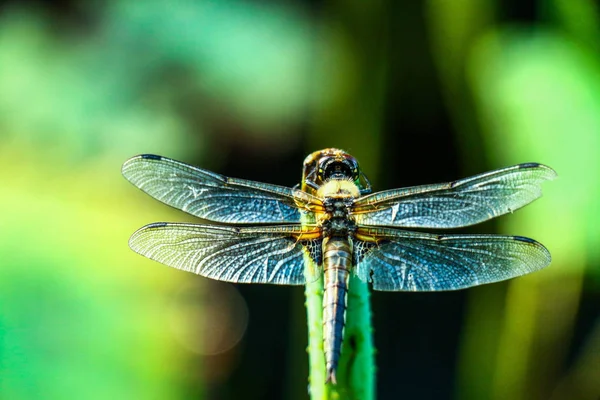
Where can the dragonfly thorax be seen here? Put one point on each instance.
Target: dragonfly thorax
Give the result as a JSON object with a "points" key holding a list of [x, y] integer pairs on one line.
{"points": [[338, 227], [339, 222]]}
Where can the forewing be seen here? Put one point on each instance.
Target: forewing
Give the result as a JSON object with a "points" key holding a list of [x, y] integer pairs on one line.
{"points": [[214, 197], [245, 255], [411, 261], [451, 205]]}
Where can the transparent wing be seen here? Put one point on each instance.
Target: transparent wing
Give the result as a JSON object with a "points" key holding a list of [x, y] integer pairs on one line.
{"points": [[247, 255], [411, 261], [451, 205], [215, 197]]}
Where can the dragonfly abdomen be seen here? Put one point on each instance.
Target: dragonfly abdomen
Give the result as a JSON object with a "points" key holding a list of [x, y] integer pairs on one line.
{"points": [[337, 261]]}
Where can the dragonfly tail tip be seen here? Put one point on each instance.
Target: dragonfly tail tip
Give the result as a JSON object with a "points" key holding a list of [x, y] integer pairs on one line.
{"points": [[331, 376]]}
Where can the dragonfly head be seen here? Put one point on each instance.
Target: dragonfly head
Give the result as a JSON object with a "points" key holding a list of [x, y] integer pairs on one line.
{"points": [[324, 165]]}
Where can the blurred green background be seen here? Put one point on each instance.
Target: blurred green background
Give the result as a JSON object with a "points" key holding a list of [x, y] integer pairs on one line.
{"points": [[419, 91]]}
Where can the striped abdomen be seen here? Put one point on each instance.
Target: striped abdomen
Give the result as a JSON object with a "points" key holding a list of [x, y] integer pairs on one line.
{"points": [[337, 262]]}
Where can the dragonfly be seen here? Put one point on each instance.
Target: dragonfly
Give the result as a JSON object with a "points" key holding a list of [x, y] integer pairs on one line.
{"points": [[332, 225]]}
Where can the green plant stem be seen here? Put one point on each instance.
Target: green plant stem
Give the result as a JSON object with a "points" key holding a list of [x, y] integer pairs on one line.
{"points": [[316, 357], [354, 54], [356, 372]]}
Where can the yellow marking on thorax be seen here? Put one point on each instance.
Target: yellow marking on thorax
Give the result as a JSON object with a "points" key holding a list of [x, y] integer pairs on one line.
{"points": [[338, 188]]}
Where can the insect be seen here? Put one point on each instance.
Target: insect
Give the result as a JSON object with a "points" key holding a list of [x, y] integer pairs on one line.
{"points": [[331, 225]]}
